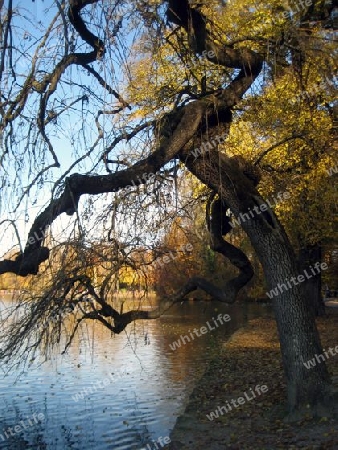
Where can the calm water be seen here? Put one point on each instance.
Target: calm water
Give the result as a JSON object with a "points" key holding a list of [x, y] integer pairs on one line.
{"points": [[144, 384]]}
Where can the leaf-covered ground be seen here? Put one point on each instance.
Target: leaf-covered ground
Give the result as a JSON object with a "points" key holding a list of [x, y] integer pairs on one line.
{"points": [[251, 357]]}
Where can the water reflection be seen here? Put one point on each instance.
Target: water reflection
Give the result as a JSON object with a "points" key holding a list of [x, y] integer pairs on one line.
{"points": [[147, 383]]}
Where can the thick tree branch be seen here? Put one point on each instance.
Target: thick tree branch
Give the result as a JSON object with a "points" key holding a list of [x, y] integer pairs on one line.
{"points": [[75, 7], [176, 130], [5, 36], [218, 225], [76, 58], [77, 185], [194, 22]]}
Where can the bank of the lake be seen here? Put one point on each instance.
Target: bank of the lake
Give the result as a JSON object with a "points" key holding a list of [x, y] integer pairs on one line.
{"points": [[247, 361]]}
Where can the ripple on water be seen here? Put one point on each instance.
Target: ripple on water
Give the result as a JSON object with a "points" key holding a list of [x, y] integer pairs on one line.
{"points": [[136, 407]]}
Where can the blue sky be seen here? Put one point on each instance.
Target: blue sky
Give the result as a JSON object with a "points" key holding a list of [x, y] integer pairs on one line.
{"points": [[68, 139]]}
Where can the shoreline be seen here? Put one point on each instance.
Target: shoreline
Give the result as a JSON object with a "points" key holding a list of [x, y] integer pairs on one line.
{"points": [[250, 358]]}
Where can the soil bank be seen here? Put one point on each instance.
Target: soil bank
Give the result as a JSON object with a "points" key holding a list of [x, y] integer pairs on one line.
{"points": [[249, 359]]}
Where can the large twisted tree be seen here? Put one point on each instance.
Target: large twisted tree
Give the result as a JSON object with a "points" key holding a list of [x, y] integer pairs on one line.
{"points": [[161, 131]]}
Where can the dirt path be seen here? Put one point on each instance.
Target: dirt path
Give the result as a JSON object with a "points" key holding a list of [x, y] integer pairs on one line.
{"points": [[249, 359]]}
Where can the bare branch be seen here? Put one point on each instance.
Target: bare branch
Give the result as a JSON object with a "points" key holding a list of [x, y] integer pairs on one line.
{"points": [[77, 185], [5, 37], [106, 86]]}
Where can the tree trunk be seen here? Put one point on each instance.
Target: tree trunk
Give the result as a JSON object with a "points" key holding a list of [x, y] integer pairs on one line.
{"points": [[299, 338], [308, 256]]}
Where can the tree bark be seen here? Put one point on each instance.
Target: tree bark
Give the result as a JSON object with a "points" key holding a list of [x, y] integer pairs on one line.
{"points": [[309, 255], [296, 325]]}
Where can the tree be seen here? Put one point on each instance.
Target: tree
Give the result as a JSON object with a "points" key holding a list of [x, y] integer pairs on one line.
{"points": [[294, 140], [203, 61]]}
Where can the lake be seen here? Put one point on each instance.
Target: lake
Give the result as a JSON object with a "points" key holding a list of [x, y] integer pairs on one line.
{"points": [[115, 392]]}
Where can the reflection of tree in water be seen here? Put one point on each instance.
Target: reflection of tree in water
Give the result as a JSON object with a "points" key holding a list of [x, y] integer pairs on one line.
{"points": [[146, 339], [137, 423], [17, 441]]}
